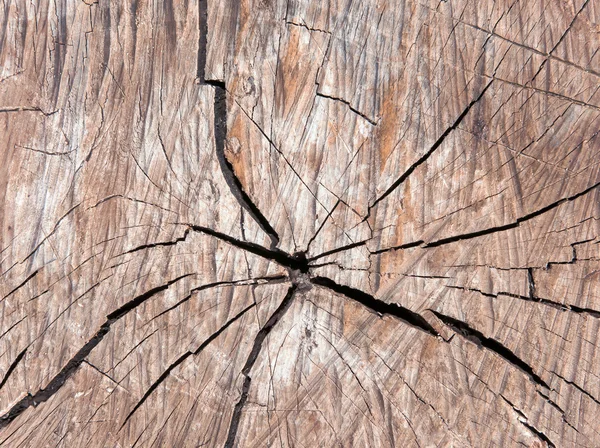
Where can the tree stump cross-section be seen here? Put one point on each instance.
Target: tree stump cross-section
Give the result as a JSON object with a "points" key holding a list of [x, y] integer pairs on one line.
{"points": [[300, 224]]}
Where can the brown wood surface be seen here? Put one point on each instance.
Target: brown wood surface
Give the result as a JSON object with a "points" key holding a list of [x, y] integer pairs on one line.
{"points": [[297, 223]]}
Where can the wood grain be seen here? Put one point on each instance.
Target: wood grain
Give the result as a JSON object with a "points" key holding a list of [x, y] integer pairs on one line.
{"points": [[300, 224]]}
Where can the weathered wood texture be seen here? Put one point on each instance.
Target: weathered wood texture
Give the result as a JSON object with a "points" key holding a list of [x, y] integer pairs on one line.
{"points": [[300, 223]]}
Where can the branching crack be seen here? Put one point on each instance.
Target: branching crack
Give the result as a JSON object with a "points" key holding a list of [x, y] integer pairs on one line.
{"points": [[249, 281], [220, 129], [235, 185], [277, 255]]}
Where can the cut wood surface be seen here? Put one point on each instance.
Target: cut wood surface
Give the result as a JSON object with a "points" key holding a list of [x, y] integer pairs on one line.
{"points": [[295, 223]]}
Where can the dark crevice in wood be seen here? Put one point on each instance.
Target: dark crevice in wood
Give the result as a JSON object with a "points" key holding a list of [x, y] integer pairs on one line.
{"points": [[538, 433], [12, 326], [202, 38], [182, 358], [378, 306], [235, 185], [429, 153], [23, 283], [400, 247], [338, 249], [511, 225], [547, 302], [73, 364], [578, 387], [101, 372], [347, 103], [558, 408], [525, 422], [277, 255], [491, 230], [243, 282], [220, 130], [161, 244], [252, 357], [12, 367], [478, 338]]}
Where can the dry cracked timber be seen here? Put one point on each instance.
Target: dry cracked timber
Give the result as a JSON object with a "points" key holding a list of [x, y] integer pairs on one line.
{"points": [[292, 223]]}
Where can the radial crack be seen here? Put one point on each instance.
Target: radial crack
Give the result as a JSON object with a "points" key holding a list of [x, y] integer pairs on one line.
{"points": [[404, 314], [23, 283], [478, 338], [338, 249], [429, 153], [490, 230], [220, 129], [277, 255], [65, 373], [12, 367], [533, 298], [347, 103], [161, 244], [256, 348], [235, 185], [182, 358], [248, 281]]}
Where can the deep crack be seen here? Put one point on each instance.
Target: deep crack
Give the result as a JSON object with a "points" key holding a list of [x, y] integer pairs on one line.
{"points": [[478, 338], [73, 364], [378, 306], [256, 348]]}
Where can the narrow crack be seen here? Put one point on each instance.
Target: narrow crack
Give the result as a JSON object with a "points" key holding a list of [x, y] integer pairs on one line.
{"points": [[12, 367], [478, 338], [524, 420], [578, 387], [248, 281], [429, 153], [514, 224], [20, 285], [490, 230], [322, 225], [533, 298], [256, 348], [378, 306], [182, 358], [73, 364], [160, 244], [347, 103], [338, 249]]}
